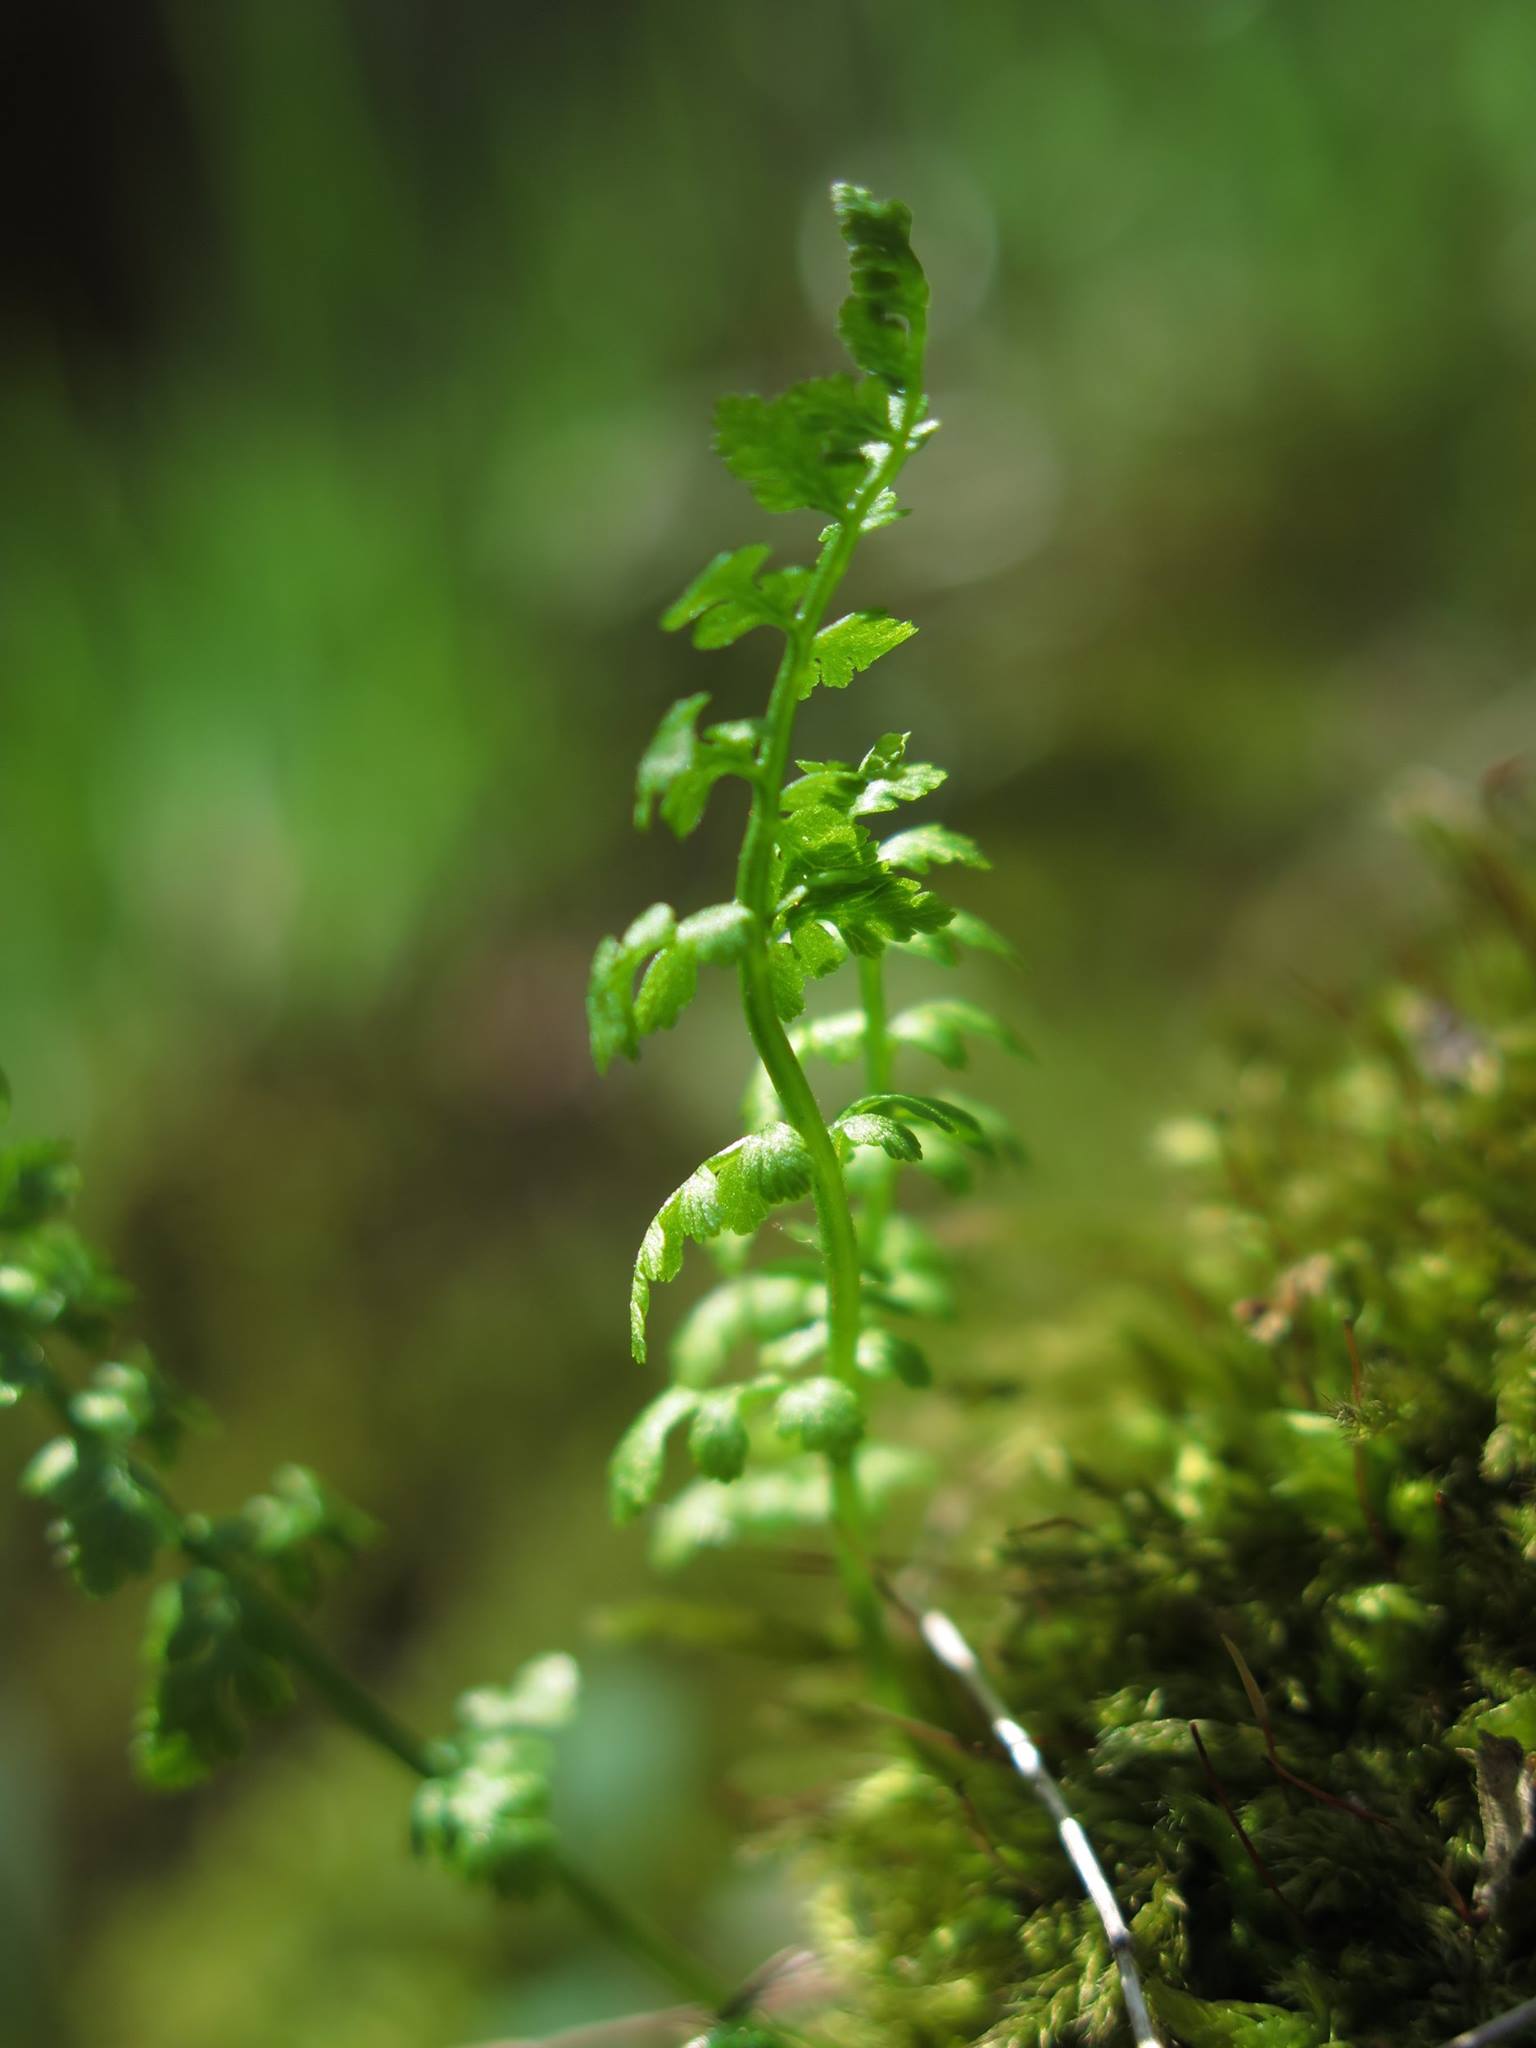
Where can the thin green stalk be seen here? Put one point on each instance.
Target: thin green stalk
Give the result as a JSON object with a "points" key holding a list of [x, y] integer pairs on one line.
{"points": [[878, 1067], [368, 1717], [357, 1708], [648, 1946], [350, 1702], [840, 1256], [754, 891], [645, 1943]]}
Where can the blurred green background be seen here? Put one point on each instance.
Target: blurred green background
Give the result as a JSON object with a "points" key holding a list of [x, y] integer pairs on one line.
{"points": [[358, 362]]}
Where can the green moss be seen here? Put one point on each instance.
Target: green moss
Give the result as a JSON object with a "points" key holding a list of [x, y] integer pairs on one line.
{"points": [[1308, 1532]]}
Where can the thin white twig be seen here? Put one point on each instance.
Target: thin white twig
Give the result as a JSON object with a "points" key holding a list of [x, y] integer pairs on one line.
{"points": [[1504, 2028], [956, 1654]]}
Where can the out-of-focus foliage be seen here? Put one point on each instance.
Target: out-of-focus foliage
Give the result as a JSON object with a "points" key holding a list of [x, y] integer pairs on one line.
{"points": [[352, 423], [485, 1811]]}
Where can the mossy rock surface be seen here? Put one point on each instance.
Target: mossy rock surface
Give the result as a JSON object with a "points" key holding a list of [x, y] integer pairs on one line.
{"points": [[1276, 1628]]}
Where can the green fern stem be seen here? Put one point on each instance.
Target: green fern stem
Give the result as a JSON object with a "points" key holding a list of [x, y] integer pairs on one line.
{"points": [[879, 1068], [351, 1703], [357, 1709], [754, 892], [645, 1943]]}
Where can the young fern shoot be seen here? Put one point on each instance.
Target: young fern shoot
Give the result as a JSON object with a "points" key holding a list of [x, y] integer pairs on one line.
{"points": [[228, 1640], [814, 888]]}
